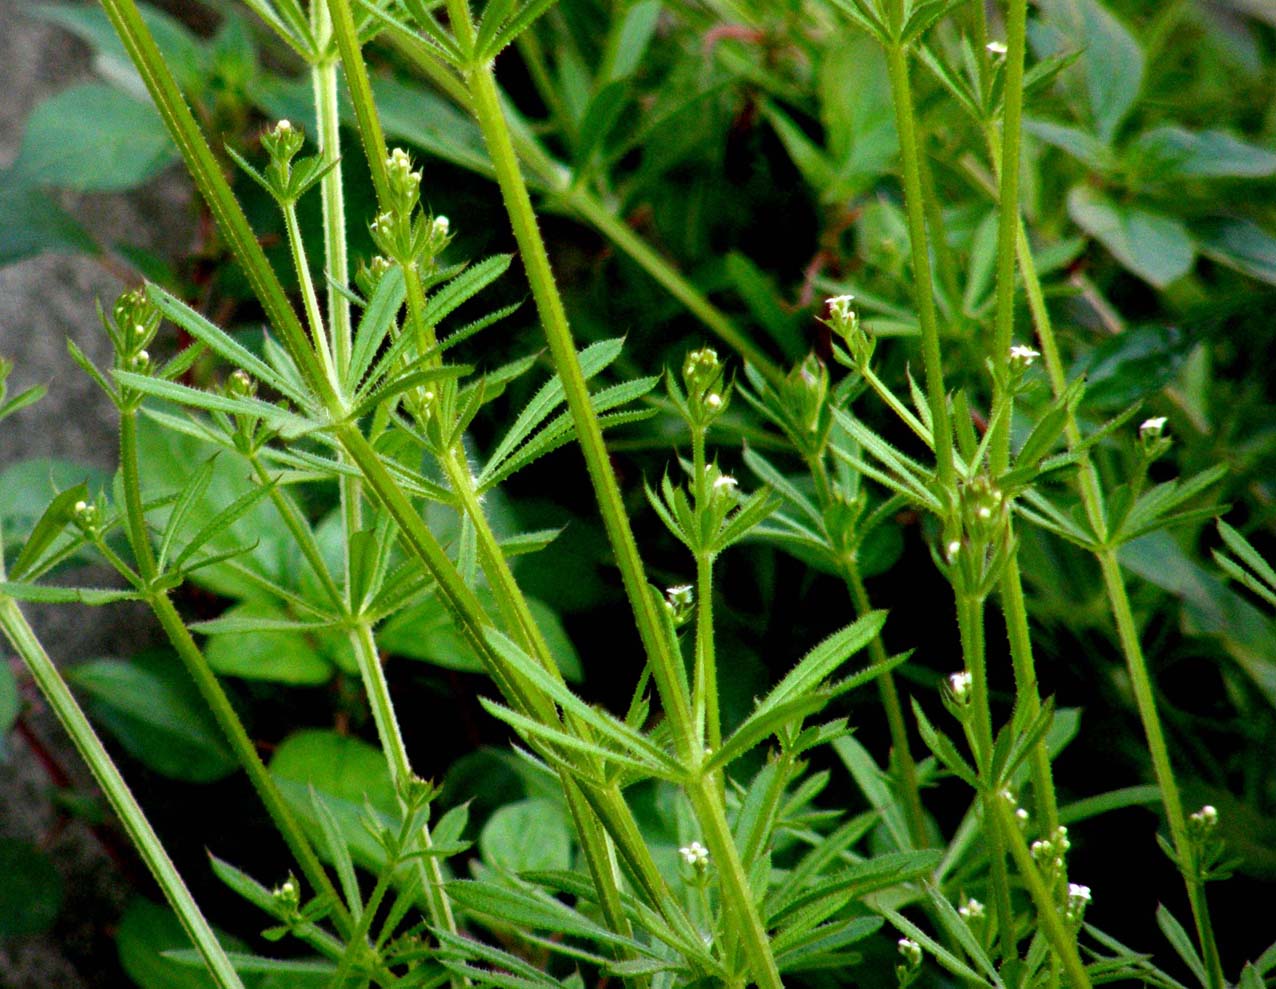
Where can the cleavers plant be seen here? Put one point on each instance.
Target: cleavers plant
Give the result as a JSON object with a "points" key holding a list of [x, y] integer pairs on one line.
{"points": [[357, 393]]}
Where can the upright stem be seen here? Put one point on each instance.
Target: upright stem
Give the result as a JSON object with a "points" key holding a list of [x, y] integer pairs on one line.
{"points": [[1091, 494], [204, 677], [1006, 149], [126, 808], [889, 692], [923, 282], [970, 620], [1061, 940], [705, 798], [849, 567], [396, 754], [705, 682], [1144, 699], [318, 332], [323, 76]]}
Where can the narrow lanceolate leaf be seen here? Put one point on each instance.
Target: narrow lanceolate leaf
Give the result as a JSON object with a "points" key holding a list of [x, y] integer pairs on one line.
{"points": [[879, 872], [798, 694], [190, 495], [377, 319], [289, 424], [464, 287], [50, 525], [626, 738], [550, 395], [220, 342], [220, 523], [40, 594]]}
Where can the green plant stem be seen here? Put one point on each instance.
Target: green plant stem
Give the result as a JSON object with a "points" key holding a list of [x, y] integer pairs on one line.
{"points": [[970, 621], [1091, 494], [206, 172], [705, 682], [889, 692], [923, 283], [202, 674], [246, 753], [1005, 150], [851, 576], [1027, 695], [705, 798], [356, 72], [323, 76], [704, 693], [309, 299], [1064, 944], [396, 753], [590, 208], [69, 713], [1145, 700]]}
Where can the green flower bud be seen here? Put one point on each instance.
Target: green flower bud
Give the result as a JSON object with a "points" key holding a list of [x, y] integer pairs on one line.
{"points": [[241, 385], [283, 141], [805, 391], [136, 322], [844, 321]]}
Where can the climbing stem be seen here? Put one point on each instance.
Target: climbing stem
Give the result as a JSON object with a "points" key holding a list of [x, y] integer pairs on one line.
{"points": [[923, 282], [970, 621], [73, 719], [706, 799]]}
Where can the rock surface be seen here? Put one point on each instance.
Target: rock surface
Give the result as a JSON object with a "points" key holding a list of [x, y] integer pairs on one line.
{"points": [[43, 301]]}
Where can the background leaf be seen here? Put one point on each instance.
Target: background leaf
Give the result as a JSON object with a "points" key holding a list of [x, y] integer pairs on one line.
{"points": [[93, 138]]}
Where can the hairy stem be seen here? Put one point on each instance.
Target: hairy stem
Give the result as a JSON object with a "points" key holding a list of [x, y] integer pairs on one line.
{"points": [[121, 798], [923, 282]]}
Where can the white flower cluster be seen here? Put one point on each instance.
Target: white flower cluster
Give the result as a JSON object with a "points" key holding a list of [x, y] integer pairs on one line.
{"points": [[695, 855]]}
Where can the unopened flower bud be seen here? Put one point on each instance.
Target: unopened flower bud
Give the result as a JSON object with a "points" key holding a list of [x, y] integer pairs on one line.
{"points": [[240, 384], [805, 391], [86, 517], [283, 141], [1201, 823], [844, 321], [911, 952], [996, 48]]}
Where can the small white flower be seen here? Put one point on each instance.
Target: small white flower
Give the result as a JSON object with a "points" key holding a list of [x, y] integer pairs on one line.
{"points": [[1021, 816], [953, 548], [725, 482], [840, 306], [1078, 894], [695, 855], [441, 225], [960, 685], [1023, 356], [984, 512], [996, 47], [911, 950], [81, 507], [713, 400], [972, 909], [1152, 428], [283, 127]]}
